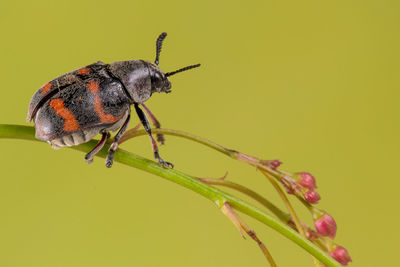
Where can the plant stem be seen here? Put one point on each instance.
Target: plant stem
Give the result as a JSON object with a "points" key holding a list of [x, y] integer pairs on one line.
{"points": [[233, 154], [243, 228], [286, 201], [133, 133], [283, 216], [267, 171], [217, 196], [289, 206]]}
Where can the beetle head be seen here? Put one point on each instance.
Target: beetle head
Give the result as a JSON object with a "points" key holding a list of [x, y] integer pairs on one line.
{"points": [[142, 78], [159, 80]]}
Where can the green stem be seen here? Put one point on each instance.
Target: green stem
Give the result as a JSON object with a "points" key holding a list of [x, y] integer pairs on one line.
{"points": [[286, 201], [268, 172], [229, 152], [133, 133], [217, 196], [289, 206], [283, 216]]}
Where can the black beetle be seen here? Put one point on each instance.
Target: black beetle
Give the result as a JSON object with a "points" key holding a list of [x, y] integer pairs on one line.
{"points": [[75, 107]]}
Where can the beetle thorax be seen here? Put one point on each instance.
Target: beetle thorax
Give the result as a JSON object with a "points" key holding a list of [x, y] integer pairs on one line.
{"points": [[140, 78]]}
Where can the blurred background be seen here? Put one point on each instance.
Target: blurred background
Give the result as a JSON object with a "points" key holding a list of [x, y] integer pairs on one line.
{"points": [[314, 84]]}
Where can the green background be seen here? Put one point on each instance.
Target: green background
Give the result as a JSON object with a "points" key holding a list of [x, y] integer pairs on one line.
{"points": [[312, 83]]}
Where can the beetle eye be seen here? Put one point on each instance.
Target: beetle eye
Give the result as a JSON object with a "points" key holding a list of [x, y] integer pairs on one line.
{"points": [[156, 81]]}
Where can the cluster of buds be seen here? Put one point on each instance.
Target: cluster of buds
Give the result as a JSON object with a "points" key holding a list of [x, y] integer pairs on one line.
{"points": [[302, 184], [307, 182], [326, 226]]}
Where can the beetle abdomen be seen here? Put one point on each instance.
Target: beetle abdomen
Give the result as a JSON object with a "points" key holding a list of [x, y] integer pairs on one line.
{"points": [[83, 135], [77, 138]]}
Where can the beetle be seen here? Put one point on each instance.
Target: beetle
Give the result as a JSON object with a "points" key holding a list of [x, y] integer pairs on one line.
{"points": [[75, 107]]}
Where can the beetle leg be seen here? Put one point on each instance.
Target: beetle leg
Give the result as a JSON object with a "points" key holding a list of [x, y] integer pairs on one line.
{"points": [[156, 123], [147, 127], [89, 156], [114, 145]]}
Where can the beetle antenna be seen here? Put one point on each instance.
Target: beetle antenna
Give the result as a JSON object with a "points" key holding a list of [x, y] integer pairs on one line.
{"points": [[180, 70], [159, 42]]}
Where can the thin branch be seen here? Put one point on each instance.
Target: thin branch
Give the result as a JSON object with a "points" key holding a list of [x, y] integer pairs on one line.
{"points": [[217, 196], [133, 133], [283, 216], [253, 161], [243, 228], [269, 172], [286, 201]]}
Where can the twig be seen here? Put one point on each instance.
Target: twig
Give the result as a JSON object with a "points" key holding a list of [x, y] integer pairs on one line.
{"points": [[217, 196], [243, 228]]}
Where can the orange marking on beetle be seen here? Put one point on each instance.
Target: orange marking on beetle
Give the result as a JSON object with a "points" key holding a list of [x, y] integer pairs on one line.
{"points": [[93, 87], [84, 71], [104, 117], [70, 123], [46, 87]]}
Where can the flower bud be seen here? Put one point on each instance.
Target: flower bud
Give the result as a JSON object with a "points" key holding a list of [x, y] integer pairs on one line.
{"points": [[341, 255], [312, 197], [326, 225], [306, 180], [272, 163]]}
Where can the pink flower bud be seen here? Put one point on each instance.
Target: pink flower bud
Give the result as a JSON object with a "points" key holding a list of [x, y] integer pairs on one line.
{"points": [[326, 225], [307, 180], [272, 163], [341, 255], [312, 197], [276, 163]]}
